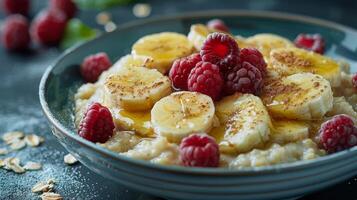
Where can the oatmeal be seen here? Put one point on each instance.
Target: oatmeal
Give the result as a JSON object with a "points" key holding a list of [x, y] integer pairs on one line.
{"points": [[267, 112]]}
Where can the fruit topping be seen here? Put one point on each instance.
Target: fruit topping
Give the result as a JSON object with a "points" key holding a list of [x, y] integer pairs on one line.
{"points": [[93, 66], [15, 33], [97, 124], [255, 58], [312, 42], [217, 25], [199, 150], [206, 78]]}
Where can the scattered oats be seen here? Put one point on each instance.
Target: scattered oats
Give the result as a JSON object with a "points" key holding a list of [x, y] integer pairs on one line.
{"points": [[2, 164], [33, 140], [14, 165], [43, 186], [110, 26], [32, 166], [13, 135], [142, 10], [18, 144], [51, 196], [70, 159], [103, 18], [3, 151]]}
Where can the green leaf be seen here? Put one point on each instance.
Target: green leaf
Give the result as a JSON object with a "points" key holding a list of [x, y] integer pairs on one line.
{"points": [[77, 32], [100, 4]]}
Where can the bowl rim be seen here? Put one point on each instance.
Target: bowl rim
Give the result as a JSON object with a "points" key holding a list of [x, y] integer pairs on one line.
{"points": [[286, 167]]}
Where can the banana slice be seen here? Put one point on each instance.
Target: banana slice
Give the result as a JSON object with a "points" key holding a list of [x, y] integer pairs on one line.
{"points": [[266, 42], [198, 34], [286, 131], [182, 113], [302, 96], [163, 48], [246, 123], [136, 88], [287, 61]]}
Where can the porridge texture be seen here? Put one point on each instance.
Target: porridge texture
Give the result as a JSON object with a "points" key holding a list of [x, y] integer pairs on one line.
{"points": [[279, 123]]}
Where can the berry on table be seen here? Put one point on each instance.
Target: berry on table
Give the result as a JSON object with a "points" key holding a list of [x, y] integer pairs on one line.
{"points": [[338, 133], [354, 80], [15, 33], [243, 78], [68, 7], [97, 124], [206, 79], [255, 58], [311, 42], [199, 150], [180, 70], [48, 27], [93, 66], [217, 25], [16, 6], [220, 49]]}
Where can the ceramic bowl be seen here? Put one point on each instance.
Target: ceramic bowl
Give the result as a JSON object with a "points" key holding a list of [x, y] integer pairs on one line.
{"points": [[60, 81]]}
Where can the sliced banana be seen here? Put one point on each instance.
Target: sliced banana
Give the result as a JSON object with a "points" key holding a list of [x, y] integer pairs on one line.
{"points": [[198, 34], [136, 88], [286, 131], [266, 42], [302, 96], [162, 49], [246, 123], [181, 114], [288, 61]]}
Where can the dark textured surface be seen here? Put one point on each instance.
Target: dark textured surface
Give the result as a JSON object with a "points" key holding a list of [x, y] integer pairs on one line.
{"points": [[20, 109]]}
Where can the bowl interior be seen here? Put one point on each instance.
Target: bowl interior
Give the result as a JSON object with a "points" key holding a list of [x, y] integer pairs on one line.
{"points": [[61, 81]]}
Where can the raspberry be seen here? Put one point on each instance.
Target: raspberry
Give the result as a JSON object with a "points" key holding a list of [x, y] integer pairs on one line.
{"points": [[311, 42], [48, 27], [15, 33], [181, 69], [220, 49], [245, 79], [217, 25], [16, 6], [206, 78], [97, 124], [199, 150], [354, 80], [254, 57], [68, 7], [93, 66], [337, 134]]}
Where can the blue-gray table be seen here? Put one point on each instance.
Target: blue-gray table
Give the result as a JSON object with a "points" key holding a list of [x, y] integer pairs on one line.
{"points": [[20, 110]]}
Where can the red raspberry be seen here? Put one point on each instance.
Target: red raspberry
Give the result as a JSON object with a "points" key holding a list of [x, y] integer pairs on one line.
{"points": [[254, 57], [220, 49], [199, 150], [48, 27], [68, 7], [181, 69], [206, 79], [15, 33], [338, 133], [245, 79], [93, 66], [16, 6], [354, 80], [217, 25], [97, 124], [311, 42]]}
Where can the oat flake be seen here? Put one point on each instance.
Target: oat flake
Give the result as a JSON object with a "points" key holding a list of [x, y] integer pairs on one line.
{"points": [[32, 166], [9, 136], [70, 159], [51, 196], [3, 151], [18, 144], [43, 186], [33, 140]]}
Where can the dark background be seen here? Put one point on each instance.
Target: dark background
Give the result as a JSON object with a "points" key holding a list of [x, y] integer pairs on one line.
{"points": [[20, 110]]}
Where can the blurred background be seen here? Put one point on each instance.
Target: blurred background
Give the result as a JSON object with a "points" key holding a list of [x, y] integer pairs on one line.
{"points": [[21, 70]]}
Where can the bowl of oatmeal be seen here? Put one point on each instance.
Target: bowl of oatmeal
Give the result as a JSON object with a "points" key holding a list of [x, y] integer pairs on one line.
{"points": [[252, 106]]}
